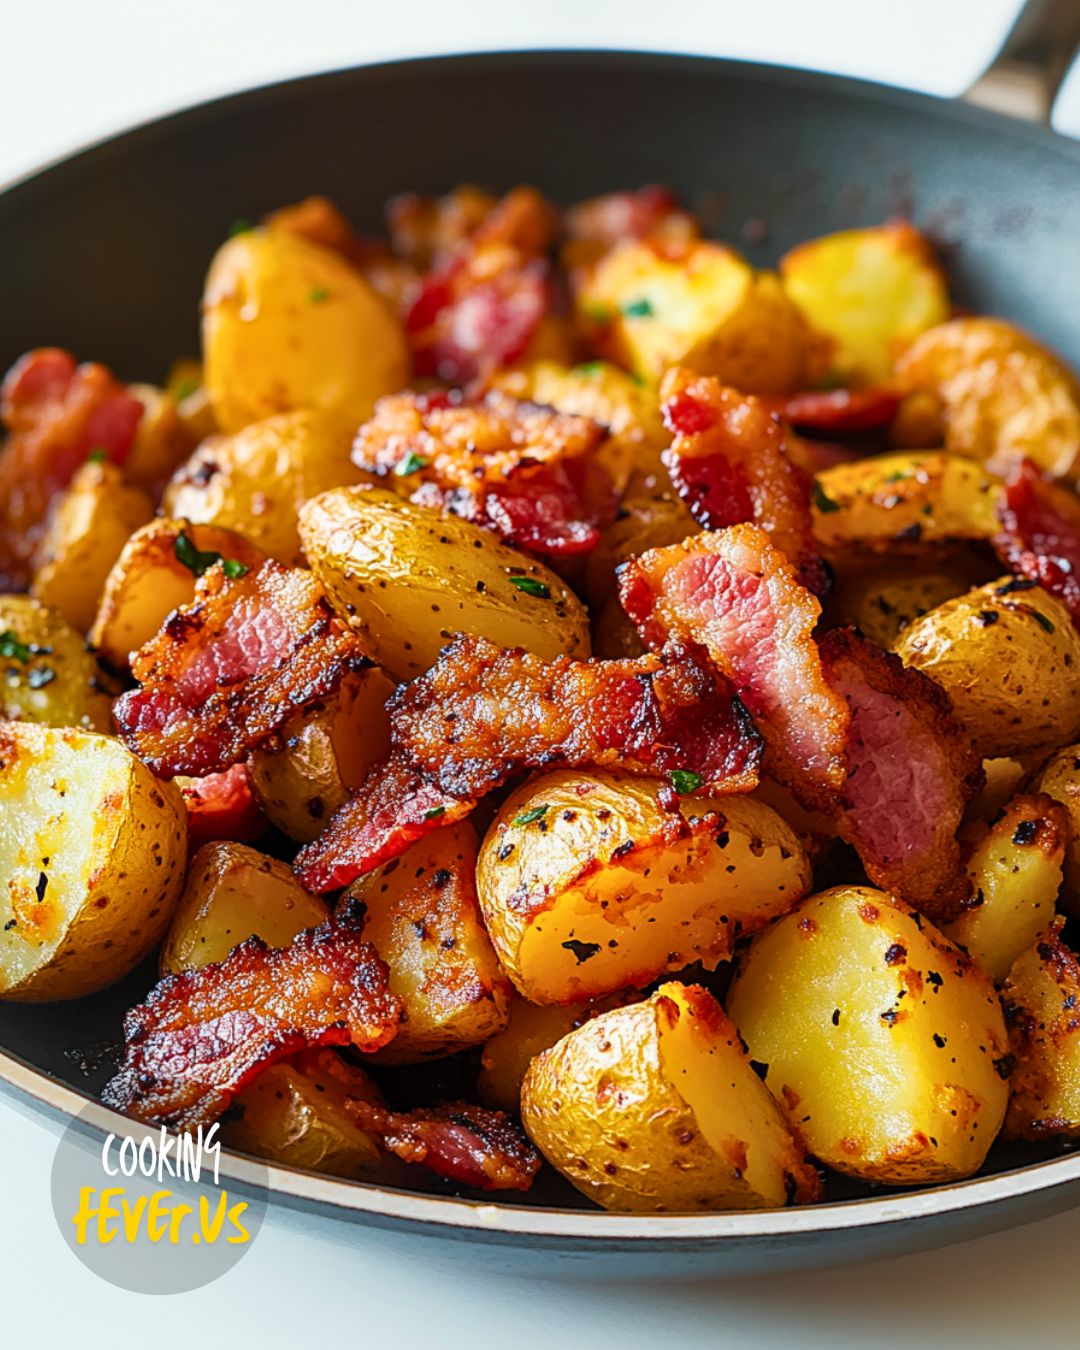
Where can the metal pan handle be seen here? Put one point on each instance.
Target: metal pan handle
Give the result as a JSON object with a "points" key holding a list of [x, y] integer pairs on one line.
{"points": [[1034, 59]]}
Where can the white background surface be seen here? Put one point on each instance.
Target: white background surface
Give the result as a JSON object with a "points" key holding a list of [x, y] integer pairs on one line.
{"points": [[70, 72]]}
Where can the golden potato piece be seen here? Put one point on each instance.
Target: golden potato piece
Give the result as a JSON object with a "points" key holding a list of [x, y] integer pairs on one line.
{"points": [[256, 480], [288, 324], [643, 523], [656, 1107], [92, 851], [1041, 997], [48, 675], [301, 776], [423, 919], [233, 892], [869, 291], [1003, 396], [1015, 872], [149, 581], [588, 884], [1059, 778], [883, 1042], [1008, 656], [408, 577], [87, 532], [883, 601], [295, 1114], [167, 433]]}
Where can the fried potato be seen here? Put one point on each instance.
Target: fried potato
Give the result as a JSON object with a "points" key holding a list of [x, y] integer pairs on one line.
{"points": [[588, 884], [233, 892], [904, 501], [869, 291], [407, 577], [48, 675], [294, 1113], [92, 849], [1003, 396], [423, 919], [1041, 997], [644, 522], [87, 532], [1015, 871], [302, 775], [149, 581], [883, 601], [167, 433], [1008, 656], [656, 1107], [256, 480], [1059, 778], [699, 305], [289, 324], [884, 1043]]}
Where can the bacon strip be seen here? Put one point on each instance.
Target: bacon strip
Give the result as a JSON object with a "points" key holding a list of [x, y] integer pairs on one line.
{"points": [[230, 668], [484, 713], [729, 462], [839, 412], [1040, 534], [458, 1141], [205, 1034]]}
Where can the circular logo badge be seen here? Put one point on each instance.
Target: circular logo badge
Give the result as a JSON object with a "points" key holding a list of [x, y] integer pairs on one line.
{"points": [[150, 1210]]}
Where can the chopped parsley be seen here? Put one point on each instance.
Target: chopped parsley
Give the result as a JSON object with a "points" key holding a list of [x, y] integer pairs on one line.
{"points": [[240, 226], [1042, 621], [822, 500], [685, 781], [199, 561], [531, 586], [412, 463], [597, 313], [11, 649], [185, 388], [435, 812], [233, 568], [318, 294], [534, 813], [638, 309], [590, 367], [99, 455]]}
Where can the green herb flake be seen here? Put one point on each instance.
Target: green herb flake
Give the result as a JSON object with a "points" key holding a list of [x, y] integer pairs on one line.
{"points": [[898, 477], [198, 562], [412, 463], [318, 294], [534, 813], [1042, 621], [597, 313], [822, 501], [233, 568], [531, 586], [240, 226], [99, 455], [685, 781], [185, 388], [638, 309], [11, 649], [435, 813], [590, 368]]}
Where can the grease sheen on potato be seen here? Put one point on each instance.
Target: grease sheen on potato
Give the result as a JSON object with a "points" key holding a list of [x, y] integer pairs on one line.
{"points": [[48, 675]]}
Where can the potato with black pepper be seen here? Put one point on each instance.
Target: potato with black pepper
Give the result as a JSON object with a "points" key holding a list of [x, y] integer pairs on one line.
{"points": [[48, 676], [656, 1107], [589, 883], [883, 1042], [92, 852], [1059, 778], [1008, 656], [882, 601]]}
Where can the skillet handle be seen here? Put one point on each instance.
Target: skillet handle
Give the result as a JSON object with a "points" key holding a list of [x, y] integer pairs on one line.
{"points": [[1034, 59]]}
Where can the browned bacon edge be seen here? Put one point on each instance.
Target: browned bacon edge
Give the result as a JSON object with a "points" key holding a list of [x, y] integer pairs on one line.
{"points": [[1040, 534], [202, 1035], [230, 668]]}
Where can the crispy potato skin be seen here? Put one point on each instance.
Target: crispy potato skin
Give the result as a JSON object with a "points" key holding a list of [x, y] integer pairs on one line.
{"points": [[1015, 871], [1041, 996], [93, 849], [883, 601], [148, 581], [1003, 396], [644, 522], [1059, 778], [87, 532], [869, 292], [885, 1043], [407, 577], [234, 892], [61, 684], [589, 883], [289, 324], [1009, 659], [302, 775], [169, 429], [423, 919], [655, 1107], [256, 480]]}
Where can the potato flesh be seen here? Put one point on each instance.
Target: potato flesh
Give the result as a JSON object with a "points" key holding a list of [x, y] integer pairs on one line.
{"points": [[407, 578], [1059, 778], [1041, 996], [590, 892], [60, 684], [885, 1045], [92, 850]]}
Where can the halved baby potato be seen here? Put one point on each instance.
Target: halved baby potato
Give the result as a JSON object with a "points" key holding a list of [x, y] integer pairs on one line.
{"points": [[46, 673], [168, 430], [408, 578], [422, 917], [882, 1041], [232, 893], [883, 601], [92, 852], [657, 1107], [589, 884]]}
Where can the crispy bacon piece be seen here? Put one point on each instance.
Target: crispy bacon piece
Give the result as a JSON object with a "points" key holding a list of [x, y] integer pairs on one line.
{"points": [[1040, 534], [484, 713], [204, 1034], [55, 413], [221, 806], [729, 463], [523, 470], [430, 231], [458, 1141], [230, 668], [839, 412]]}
